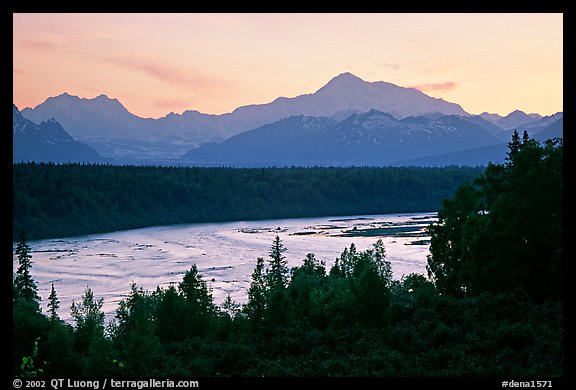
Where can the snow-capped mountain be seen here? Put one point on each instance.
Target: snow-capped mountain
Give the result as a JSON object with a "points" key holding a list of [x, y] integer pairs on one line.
{"points": [[107, 126], [403, 124], [46, 141], [372, 138], [492, 153], [98, 117], [347, 92], [284, 142], [513, 120], [520, 121]]}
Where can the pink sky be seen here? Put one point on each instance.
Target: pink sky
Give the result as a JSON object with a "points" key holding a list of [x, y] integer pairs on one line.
{"points": [[160, 63]]}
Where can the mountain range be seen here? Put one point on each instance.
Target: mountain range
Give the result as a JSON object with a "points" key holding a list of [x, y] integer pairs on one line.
{"points": [[107, 126], [348, 121], [46, 141], [372, 138]]}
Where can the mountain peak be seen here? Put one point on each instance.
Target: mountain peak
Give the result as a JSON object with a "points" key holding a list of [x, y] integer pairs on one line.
{"points": [[102, 97], [64, 95], [46, 141], [347, 76], [516, 113], [345, 79], [517, 118]]}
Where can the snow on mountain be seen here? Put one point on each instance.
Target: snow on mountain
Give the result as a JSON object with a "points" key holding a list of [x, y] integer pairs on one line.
{"points": [[349, 92], [110, 128], [412, 117], [513, 120], [493, 118], [517, 118], [46, 141], [372, 138], [495, 153], [98, 117]]}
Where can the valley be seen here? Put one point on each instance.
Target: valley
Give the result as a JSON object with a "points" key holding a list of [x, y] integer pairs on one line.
{"points": [[225, 254]]}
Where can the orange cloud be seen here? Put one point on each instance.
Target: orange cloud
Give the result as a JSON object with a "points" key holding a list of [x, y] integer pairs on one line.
{"points": [[167, 73], [390, 65], [48, 42], [447, 86]]}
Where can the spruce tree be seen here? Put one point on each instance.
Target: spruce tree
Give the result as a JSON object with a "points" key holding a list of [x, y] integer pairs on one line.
{"points": [[514, 147], [504, 231], [278, 272], [230, 307], [199, 307], [525, 138], [25, 289], [53, 305], [196, 292], [312, 266], [257, 293]]}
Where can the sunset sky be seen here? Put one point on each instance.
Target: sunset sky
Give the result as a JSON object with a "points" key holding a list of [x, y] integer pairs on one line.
{"points": [[161, 63]]}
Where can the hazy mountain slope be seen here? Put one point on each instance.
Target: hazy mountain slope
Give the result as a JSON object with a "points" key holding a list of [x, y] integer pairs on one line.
{"points": [[349, 92], [47, 141], [372, 138], [483, 155], [554, 130], [517, 118], [413, 127], [110, 128]]}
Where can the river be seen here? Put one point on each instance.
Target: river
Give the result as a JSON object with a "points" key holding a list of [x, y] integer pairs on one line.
{"points": [[225, 254]]}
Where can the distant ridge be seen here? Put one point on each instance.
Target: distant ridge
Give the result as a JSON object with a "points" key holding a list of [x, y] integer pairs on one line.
{"points": [[46, 142], [373, 138], [107, 126]]}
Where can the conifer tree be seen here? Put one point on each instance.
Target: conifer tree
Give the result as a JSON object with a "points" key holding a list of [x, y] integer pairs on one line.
{"points": [[514, 147], [257, 293], [312, 266], [25, 289], [230, 307], [196, 292], [53, 305], [504, 231], [278, 272], [525, 138]]}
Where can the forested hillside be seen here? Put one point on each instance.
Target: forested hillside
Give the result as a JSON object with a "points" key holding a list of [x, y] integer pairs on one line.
{"points": [[53, 200]]}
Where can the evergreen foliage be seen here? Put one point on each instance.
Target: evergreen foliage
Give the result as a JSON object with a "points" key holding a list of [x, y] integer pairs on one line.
{"points": [[504, 231], [53, 304], [25, 291], [89, 320], [277, 275], [256, 305], [493, 306], [52, 200], [352, 321]]}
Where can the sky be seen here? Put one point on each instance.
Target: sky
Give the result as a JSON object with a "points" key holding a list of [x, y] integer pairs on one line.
{"points": [[160, 63]]}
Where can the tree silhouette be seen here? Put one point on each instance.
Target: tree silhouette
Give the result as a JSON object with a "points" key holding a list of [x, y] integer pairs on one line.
{"points": [[53, 305], [278, 271], [25, 289]]}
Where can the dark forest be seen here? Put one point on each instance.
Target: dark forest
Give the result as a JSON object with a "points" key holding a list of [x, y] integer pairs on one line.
{"points": [[52, 200], [491, 306]]}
